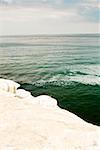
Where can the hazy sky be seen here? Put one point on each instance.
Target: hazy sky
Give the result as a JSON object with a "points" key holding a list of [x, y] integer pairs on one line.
{"points": [[49, 16]]}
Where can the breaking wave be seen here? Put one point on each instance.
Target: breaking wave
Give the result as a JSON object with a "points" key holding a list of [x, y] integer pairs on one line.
{"points": [[67, 80]]}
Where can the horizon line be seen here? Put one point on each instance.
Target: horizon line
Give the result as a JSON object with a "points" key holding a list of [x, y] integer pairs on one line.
{"points": [[48, 34]]}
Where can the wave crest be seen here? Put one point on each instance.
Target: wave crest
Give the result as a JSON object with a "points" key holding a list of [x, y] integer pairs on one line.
{"points": [[67, 80]]}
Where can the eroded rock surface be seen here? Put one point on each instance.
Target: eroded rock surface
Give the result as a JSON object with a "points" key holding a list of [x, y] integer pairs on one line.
{"points": [[27, 125]]}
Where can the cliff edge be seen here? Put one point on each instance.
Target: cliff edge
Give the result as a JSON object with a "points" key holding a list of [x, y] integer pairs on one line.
{"points": [[37, 123]]}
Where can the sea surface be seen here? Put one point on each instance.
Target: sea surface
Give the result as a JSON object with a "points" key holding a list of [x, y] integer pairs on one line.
{"points": [[66, 67]]}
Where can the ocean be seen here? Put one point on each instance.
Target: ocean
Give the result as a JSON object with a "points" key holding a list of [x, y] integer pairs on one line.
{"points": [[66, 67]]}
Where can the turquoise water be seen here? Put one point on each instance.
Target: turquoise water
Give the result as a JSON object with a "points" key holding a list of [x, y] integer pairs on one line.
{"points": [[66, 67]]}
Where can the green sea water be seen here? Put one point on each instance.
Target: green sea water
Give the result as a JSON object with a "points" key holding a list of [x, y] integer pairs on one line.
{"points": [[66, 67]]}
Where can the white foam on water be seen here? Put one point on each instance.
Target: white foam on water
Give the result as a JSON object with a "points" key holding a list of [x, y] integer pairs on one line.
{"points": [[86, 79], [67, 80], [85, 74], [86, 69]]}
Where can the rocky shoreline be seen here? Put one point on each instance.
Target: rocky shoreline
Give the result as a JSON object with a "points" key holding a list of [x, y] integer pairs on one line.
{"points": [[37, 123]]}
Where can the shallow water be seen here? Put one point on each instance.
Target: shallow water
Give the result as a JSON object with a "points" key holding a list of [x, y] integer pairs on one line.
{"points": [[66, 67]]}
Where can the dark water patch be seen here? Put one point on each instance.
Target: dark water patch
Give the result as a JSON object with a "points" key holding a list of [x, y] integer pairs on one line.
{"points": [[80, 73], [83, 100]]}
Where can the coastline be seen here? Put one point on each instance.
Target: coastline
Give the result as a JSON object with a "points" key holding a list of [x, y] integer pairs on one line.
{"points": [[37, 123]]}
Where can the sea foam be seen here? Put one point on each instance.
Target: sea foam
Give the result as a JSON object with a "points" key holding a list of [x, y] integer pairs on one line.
{"points": [[67, 80]]}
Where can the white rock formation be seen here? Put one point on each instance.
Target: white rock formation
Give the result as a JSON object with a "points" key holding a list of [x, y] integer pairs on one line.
{"points": [[28, 126], [8, 85], [22, 93], [46, 101]]}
